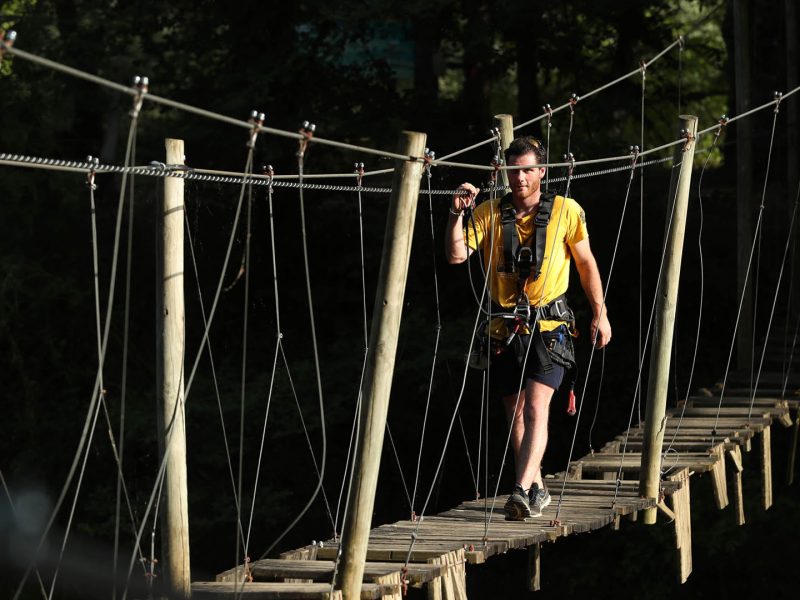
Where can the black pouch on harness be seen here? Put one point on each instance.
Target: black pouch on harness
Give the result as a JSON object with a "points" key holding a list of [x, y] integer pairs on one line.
{"points": [[559, 346], [492, 337]]}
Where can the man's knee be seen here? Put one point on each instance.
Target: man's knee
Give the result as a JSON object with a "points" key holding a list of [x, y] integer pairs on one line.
{"points": [[537, 401]]}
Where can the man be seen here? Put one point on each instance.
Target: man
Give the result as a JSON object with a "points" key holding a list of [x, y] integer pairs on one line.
{"points": [[517, 286]]}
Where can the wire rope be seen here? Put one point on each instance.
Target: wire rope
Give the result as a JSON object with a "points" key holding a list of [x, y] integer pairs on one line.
{"points": [[791, 359], [190, 381], [124, 375], [701, 298], [89, 422], [438, 335], [759, 221], [244, 269], [304, 237], [647, 337], [597, 401], [774, 302], [641, 231], [212, 364], [596, 333], [415, 533]]}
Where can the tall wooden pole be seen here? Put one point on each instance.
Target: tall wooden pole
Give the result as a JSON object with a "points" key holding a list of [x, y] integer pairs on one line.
{"points": [[660, 353], [505, 123], [380, 363], [744, 179], [175, 537]]}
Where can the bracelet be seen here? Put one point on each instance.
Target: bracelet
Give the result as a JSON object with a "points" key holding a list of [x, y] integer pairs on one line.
{"points": [[457, 213]]}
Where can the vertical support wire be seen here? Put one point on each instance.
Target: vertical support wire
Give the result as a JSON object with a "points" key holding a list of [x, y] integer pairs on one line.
{"points": [[756, 237], [774, 302], [438, 335]]}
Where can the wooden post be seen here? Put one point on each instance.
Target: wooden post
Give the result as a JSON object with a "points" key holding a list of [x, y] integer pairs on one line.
{"points": [[505, 123], [665, 321], [682, 509], [175, 537], [534, 568], [380, 362], [744, 179]]}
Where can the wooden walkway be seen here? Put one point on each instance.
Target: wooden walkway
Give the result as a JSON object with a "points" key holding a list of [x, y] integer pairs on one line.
{"points": [[448, 541]]}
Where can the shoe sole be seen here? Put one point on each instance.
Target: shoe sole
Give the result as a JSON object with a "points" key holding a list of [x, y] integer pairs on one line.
{"points": [[516, 510], [545, 503]]}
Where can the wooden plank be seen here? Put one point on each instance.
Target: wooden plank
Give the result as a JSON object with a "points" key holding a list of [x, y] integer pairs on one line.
{"points": [[732, 412], [631, 462], [766, 468], [684, 445], [737, 434], [662, 506], [738, 401], [735, 454], [451, 585], [392, 582], [767, 378], [213, 590], [274, 569], [719, 480]]}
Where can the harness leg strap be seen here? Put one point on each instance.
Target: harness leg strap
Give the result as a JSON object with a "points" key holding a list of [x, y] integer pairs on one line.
{"points": [[541, 353]]}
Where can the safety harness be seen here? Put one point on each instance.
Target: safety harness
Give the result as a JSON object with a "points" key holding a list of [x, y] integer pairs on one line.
{"points": [[526, 260]]}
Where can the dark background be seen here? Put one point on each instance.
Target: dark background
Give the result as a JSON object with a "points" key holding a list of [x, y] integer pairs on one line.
{"points": [[363, 72]]}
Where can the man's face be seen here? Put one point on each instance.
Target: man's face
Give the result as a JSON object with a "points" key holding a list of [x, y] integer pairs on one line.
{"points": [[525, 182]]}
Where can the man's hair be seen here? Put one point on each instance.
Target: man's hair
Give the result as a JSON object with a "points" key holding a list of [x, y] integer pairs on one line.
{"points": [[526, 145]]}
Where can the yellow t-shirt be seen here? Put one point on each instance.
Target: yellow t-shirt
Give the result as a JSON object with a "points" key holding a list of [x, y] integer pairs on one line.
{"points": [[566, 228]]}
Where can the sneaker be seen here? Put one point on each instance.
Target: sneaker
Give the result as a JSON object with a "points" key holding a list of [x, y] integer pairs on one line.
{"points": [[539, 497], [517, 507]]}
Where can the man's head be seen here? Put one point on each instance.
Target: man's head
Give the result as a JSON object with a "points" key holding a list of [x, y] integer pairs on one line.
{"points": [[526, 145], [526, 152]]}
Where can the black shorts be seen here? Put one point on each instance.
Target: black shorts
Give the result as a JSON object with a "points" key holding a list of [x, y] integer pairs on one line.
{"points": [[505, 373]]}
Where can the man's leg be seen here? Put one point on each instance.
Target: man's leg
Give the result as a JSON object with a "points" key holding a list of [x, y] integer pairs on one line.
{"points": [[529, 430], [515, 407]]}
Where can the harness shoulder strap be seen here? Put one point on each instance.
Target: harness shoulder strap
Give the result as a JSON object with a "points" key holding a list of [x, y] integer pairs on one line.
{"points": [[541, 220], [508, 216]]}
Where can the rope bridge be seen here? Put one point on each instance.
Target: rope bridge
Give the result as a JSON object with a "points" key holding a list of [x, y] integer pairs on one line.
{"points": [[431, 550]]}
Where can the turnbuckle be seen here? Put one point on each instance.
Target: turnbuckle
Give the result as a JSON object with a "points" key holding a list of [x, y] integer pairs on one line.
{"points": [[94, 162], [256, 120], [634, 155], [307, 131], [359, 171], [141, 85]]}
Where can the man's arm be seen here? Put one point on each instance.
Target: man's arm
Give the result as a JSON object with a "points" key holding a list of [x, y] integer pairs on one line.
{"points": [[593, 287], [455, 248]]}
